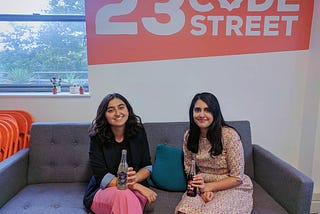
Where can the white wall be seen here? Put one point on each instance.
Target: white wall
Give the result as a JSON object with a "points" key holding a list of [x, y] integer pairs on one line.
{"points": [[310, 141], [316, 162], [277, 92]]}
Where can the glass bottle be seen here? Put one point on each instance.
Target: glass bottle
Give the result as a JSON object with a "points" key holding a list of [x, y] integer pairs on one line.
{"points": [[191, 191], [122, 171]]}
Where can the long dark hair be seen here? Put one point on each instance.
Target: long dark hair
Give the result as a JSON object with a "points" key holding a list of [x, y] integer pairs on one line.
{"points": [[101, 128], [214, 130]]}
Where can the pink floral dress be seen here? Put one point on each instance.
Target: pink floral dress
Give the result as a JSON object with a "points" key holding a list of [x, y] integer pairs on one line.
{"points": [[237, 200]]}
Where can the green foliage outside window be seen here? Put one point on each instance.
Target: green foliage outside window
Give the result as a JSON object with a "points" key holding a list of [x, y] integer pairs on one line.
{"points": [[32, 52]]}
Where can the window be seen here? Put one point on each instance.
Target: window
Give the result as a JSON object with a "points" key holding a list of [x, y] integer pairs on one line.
{"points": [[41, 40]]}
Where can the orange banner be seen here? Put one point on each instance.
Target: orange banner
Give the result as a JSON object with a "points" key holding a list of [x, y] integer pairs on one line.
{"points": [[132, 30]]}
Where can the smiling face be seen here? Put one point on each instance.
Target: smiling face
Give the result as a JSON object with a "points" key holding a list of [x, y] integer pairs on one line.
{"points": [[202, 116], [117, 113]]}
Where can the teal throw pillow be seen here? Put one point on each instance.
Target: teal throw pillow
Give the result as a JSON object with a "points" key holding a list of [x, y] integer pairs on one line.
{"points": [[167, 170]]}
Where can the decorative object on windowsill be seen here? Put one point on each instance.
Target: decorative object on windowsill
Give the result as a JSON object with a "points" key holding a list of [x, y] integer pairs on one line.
{"points": [[54, 90], [56, 84], [81, 90], [74, 89]]}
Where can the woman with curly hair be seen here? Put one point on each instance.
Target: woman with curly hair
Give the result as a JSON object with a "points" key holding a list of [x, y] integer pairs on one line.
{"points": [[115, 128]]}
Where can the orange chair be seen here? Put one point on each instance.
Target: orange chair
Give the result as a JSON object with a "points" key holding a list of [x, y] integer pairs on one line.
{"points": [[23, 127], [3, 141], [30, 120], [15, 132], [5, 136], [29, 117], [25, 121], [25, 113], [1, 144], [9, 146]]}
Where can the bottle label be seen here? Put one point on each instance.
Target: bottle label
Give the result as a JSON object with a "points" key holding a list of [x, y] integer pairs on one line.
{"points": [[191, 191], [189, 187], [122, 178]]}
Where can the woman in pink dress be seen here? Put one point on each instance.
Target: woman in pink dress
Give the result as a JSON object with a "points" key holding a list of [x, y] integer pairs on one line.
{"points": [[115, 128], [223, 188]]}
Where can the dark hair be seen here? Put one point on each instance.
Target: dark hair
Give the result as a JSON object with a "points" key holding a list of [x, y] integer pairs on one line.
{"points": [[214, 130], [101, 128]]}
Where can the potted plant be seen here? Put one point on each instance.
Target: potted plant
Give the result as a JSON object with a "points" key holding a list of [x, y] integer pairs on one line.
{"points": [[74, 89], [56, 84]]}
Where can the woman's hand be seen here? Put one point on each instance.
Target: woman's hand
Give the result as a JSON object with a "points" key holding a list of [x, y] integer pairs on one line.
{"points": [[133, 183], [198, 181], [148, 193], [206, 196], [132, 178]]}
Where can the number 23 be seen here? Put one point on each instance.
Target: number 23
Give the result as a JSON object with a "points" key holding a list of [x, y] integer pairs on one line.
{"points": [[171, 8]]}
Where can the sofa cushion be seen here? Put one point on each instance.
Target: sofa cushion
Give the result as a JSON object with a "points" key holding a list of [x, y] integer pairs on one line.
{"points": [[264, 203], [165, 204], [49, 198], [59, 153], [167, 171]]}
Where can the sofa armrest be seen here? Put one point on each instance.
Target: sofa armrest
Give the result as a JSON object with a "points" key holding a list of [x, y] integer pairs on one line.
{"points": [[287, 185], [13, 175]]}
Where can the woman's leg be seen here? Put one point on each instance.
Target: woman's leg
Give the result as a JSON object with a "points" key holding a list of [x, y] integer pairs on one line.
{"points": [[114, 201]]}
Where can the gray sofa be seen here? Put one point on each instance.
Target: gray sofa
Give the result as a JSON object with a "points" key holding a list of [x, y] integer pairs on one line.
{"points": [[51, 175]]}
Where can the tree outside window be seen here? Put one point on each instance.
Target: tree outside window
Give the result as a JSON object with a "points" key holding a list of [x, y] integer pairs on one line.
{"points": [[35, 47]]}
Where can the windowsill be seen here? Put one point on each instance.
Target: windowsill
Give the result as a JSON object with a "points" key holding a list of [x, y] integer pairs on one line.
{"points": [[44, 94]]}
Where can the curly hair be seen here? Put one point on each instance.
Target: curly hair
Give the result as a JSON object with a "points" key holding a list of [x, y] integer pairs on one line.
{"points": [[101, 128], [214, 133]]}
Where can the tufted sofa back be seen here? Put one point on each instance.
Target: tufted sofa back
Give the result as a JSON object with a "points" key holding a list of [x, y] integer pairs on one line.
{"points": [[58, 153], [171, 133], [59, 150]]}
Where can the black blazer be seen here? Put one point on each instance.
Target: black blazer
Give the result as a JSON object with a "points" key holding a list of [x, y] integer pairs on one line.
{"points": [[102, 161]]}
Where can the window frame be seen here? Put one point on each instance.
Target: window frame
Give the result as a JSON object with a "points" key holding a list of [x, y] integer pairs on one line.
{"points": [[36, 17]]}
